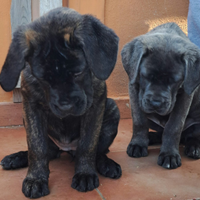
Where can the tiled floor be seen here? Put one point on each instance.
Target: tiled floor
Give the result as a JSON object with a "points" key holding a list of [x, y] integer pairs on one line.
{"points": [[142, 178]]}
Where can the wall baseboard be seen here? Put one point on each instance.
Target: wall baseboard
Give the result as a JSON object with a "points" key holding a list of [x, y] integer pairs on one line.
{"points": [[11, 113]]}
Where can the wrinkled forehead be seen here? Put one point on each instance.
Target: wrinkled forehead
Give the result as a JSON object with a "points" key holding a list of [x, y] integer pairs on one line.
{"points": [[55, 51], [54, 60], [71, 58], [161, 62]]}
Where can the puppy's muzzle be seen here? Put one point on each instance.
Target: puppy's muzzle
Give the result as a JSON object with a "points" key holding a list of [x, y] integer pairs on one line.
{"points": [[156, 104], [67, 104]]}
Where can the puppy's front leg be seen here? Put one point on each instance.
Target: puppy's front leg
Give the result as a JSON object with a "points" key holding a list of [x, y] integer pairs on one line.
{"points": [[169, 156], [85, 178], [35, 184], [139, 142]]}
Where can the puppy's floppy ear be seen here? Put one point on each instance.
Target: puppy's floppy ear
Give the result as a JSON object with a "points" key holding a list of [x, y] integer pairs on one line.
{"points": [[192, 69], [132, 54], [15, 60], [100, 45]]}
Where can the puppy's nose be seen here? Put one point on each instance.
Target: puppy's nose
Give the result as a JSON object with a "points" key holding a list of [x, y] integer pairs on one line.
{"points": [[76, 99], [67, 102], [156, 103], [65, 105]]}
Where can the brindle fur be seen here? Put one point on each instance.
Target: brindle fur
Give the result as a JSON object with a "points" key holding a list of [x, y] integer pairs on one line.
{"points": [[60, 103], [164, 76]]}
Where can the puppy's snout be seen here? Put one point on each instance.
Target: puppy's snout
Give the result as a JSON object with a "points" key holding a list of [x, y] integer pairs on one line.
{"points": [[72, 101], [64, 107], [153, 102], [65, 103], [156, 103], [76, 100]]}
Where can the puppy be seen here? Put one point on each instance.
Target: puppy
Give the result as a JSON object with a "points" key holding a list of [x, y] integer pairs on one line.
{"points": [[164, 76], [66, 58]]}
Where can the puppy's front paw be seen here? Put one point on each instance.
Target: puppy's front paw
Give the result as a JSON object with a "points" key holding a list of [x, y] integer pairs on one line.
{"points": [[192, 149], [137, 151], [35, 188], [169, 160], [15, 161], [107, 167], [85, 182]]}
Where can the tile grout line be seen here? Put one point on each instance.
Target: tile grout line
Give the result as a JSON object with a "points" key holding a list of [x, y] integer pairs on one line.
{"points": [[100, 194]]}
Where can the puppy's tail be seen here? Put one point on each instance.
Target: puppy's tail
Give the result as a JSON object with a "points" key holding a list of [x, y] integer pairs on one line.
{"points": [[155, 137]]}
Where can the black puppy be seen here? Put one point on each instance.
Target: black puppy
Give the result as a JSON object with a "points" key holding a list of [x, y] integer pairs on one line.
{"points": [[66, 59], [164, 73]]}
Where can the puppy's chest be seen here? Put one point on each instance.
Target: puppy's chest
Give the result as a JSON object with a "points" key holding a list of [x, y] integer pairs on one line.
{"points": [[65, 133], [159, 120]]}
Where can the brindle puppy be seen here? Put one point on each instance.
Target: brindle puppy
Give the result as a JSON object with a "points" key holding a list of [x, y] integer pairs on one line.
{"points": [[66, 59], [164, 73]]}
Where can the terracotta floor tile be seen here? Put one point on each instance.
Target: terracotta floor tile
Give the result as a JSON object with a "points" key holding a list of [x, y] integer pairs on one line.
{"points": [[142, 178], [12, 140], [123, 137]]}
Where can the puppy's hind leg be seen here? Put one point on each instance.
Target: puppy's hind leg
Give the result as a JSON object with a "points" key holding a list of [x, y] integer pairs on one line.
{"points": [[15, 160], [20, 159], [106, 166], [191, 139]]}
